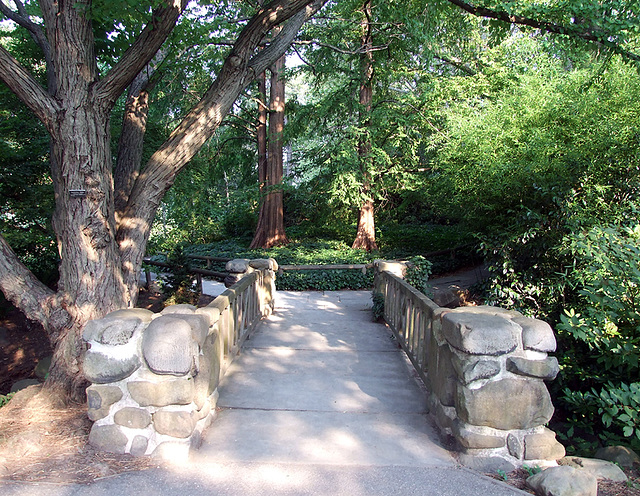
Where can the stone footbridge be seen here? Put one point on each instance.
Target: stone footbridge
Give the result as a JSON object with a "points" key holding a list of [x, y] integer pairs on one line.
{"points": [[320, 383], [317, 383]]}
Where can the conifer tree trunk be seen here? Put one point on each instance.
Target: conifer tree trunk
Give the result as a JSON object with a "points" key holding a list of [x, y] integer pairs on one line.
{"points": [[366, 234], [270, 230], [261, 132]]}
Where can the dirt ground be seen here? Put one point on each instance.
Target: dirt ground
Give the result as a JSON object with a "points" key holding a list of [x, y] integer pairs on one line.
{"points": [[518, 479], [41, 442]]}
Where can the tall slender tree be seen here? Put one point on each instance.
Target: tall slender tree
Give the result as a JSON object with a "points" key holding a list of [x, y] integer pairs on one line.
{"points": [[270, 230], [366, 234]]}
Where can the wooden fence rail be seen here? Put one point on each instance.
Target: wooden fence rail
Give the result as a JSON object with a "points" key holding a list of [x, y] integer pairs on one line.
{"points": [[198, 272]]}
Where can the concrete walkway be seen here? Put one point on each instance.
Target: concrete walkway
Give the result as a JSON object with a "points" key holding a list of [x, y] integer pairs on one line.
{"points": [[321, 401]]}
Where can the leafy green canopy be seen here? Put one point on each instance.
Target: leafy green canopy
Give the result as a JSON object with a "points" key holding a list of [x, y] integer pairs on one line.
{"points": [[546, 169]]}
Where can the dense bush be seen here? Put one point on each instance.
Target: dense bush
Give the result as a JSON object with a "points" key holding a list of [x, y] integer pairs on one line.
{"points": [[324, 280], [600, 334], [547, 174], [418, 272]]}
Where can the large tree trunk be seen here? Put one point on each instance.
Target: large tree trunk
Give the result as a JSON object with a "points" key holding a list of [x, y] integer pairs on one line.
{"points": [[134, 128], [90, 281], [366, 234], [270, 230], [261, 131], [101, 253]]}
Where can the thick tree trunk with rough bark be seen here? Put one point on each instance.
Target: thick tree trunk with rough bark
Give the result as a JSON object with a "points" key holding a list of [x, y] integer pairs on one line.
{"points": [[366, 233], [261, 131], [101, 252], [270, 230]]}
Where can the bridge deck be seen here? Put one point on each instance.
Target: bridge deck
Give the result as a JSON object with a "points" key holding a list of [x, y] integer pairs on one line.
{"points": [[320, 383], [320, 402]]}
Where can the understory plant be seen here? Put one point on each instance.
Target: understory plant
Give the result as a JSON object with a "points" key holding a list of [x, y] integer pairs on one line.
{"points": [[418, 271], [601, 334], [179, 283], [5, 398]]}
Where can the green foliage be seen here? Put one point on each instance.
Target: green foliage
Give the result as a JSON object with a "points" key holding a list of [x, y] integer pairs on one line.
{"points": [[531, 470], [26, 190], [418, 272], [607, 318], [5, 398], [608, 414], [543, 164], [406, 239], [324, 280], [178, 284], [378, 305], [600, 332]]}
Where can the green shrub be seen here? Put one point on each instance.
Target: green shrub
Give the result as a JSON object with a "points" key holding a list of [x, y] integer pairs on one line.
{"points": [[418, 272], [324, 280], [600, 334], [378, 305], [178, 284], [5, 398]]}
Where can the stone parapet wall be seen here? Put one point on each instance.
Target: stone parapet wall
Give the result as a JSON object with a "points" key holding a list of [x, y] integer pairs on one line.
{"points": [[155, 376], [485, 369]]}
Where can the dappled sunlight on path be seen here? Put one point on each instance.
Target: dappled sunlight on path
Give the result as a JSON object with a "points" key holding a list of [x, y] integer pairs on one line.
{"points": [[321, 383]]}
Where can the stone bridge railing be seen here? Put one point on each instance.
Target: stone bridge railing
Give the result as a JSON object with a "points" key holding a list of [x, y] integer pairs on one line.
{"points": [[155, 376], [484, 368]]}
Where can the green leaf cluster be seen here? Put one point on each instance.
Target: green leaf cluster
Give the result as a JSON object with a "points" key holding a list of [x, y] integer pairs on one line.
{"points": [[601, 333], [26, 189], [5, 398], [418, 272]]}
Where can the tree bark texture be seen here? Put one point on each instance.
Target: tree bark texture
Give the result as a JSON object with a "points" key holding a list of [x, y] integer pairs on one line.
{"points": [[261, 131], [270, 230], [101, 252], [134, 127], [366, 233]]}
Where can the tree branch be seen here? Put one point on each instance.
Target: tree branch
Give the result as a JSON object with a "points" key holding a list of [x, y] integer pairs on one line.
{"points": [[22, 19], [357, 51], [141, 52], [457, 64], [282, 41], [239, 68], [134, 127], [22, 83], [545, 26], [27, 293], [37, 33]]}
